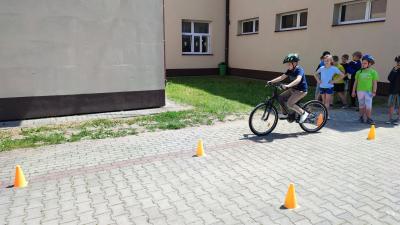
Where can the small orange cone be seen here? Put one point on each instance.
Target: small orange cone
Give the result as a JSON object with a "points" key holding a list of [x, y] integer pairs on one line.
{"points": [[291, 201], [372, 132], [19, 181], [320, 120], [200, 149]]}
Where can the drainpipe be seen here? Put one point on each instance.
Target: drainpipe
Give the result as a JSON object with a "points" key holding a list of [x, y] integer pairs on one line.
{"points": [[165, 58], [227, 23]]}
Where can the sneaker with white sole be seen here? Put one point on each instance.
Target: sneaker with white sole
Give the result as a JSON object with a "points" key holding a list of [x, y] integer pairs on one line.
{"points": [[304, 117], [282, 116]]}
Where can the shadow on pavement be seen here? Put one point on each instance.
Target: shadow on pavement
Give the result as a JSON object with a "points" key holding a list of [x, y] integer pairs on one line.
{"points": [[352, 126], [273, 136]]}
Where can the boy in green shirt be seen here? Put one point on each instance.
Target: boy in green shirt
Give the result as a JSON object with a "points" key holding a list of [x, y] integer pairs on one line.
{"points": [[365, 86]]}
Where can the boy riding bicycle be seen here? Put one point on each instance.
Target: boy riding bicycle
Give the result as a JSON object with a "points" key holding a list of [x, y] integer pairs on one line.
{"points": [[296, 90]]}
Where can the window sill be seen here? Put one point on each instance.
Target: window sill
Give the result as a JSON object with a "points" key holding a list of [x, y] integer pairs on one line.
{"points": [[302, 28], [358, 22], [194, 54], [246, 34]]}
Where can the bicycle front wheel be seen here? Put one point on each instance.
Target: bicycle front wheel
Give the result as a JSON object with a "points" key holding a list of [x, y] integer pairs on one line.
{"points": [[317, 118], [263, 119]]}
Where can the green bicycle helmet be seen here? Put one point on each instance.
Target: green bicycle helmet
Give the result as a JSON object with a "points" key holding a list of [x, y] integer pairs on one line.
{"points": [[292, 57]]}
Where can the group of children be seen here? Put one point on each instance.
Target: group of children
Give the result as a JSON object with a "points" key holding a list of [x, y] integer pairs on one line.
{"points": [[357, 76], [360, 80]]}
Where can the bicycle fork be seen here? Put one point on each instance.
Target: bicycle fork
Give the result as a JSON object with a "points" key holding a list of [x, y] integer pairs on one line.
{"points": [[268, 107]]}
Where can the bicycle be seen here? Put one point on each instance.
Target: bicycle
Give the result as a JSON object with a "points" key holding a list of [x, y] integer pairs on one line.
{"points": [[266, 114]]}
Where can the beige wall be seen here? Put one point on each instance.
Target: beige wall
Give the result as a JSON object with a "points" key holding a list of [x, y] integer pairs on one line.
{"points": [[202, 10], [61, 47], [265, 50]]}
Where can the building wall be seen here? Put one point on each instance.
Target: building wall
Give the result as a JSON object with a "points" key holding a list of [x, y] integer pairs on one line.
{"points": [[265, 51], [90, 55], [204, 10]]}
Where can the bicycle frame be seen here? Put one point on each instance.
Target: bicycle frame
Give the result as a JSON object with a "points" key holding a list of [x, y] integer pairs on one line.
{"points": [[270, 102]]}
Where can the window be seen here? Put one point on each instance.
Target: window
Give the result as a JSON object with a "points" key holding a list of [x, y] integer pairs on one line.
{"points": [[249, 26], [195, 37], [292, 21], [361, 11]]}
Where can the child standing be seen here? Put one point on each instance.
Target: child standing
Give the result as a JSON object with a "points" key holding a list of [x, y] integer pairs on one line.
{"points": [[352, 69], [345, 64], [339, 87], [321, 64], [326, 83], [394, 101], [365, 86]]}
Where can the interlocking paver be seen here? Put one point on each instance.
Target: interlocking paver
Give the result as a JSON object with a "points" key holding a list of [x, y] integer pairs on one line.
{"points": [[15, 220], [152, 178], [140, 220], [104, 218], [33, 221]]}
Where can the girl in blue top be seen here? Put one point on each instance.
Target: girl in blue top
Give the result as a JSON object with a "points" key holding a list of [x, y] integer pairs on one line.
{"points": [[326, 82]]}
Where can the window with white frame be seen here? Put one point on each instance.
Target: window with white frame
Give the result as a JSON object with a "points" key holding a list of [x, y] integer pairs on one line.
{"points": [[292, 20], [249, 26], [361, 11], [195, 37]]}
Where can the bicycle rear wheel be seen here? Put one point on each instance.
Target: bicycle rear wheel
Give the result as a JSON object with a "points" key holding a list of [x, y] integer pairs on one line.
{"points": [[317, 118], [263, 119]]}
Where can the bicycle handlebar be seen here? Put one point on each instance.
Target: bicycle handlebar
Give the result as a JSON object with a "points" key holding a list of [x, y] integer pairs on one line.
{"points": [[275, 85]]}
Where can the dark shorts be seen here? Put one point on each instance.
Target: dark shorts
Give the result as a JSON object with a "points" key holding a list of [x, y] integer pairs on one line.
{"points": [[339, 88], [394, 100], [328, 91]]}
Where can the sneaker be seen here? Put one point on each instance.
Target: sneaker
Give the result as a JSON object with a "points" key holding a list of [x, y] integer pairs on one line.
{"points": [[389, 122], [370, 121], [395, 122], [282, 116], [361, 119], [304, 117]]}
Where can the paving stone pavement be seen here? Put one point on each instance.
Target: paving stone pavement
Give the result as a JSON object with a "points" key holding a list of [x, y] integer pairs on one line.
{"points": [[152, 178]]}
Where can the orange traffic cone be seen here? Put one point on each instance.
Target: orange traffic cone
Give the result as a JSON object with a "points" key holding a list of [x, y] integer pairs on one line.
{"points": [[320, 120], [291, 201], [372, 132], [200, 149], [19, 181]]}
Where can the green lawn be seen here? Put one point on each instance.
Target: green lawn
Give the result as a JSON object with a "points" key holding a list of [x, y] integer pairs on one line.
{"points": [[213, 99], [217, 96]]}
